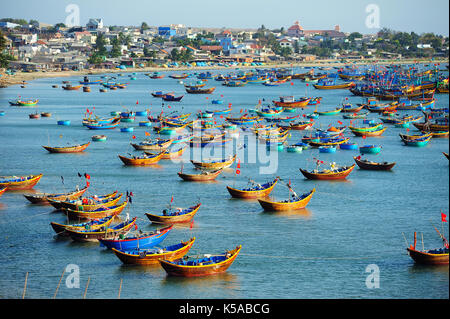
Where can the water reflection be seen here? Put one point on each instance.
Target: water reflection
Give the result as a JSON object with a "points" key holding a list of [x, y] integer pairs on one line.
{"points": [[303, 213], [226, 279]]}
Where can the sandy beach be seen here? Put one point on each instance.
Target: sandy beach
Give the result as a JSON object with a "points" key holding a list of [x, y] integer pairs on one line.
{"points": [[20, 77]]}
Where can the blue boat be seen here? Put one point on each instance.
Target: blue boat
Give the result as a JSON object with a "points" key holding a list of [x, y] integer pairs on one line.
{"points": [[140, 241], [2, 113], [327, 149], [348, 146], [145, 123], [217, 102], [370, 149], [64, 122], [141, 113], [126, 129]]}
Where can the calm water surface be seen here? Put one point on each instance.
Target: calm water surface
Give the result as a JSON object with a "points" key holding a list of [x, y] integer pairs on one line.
{"points": [[319, 252]]}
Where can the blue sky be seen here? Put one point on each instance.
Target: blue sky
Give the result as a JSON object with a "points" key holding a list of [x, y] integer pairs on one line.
{"points": [[402, 15]]}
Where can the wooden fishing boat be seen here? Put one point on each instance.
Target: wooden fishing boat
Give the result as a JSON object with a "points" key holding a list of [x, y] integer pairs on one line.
{"points": [[377, 132], [26, 103], [437, 134], [46, 114], [100, 233], [209, 265], [419, 142], [67, 149], [290, 102], [294, 203], [69, 87], [256, 191], [34, 115], [171, 98], [138, 240], [99, 138], [340, 173], [332, 112], [333, 87], [215, 164], [171, 154], [173, 216], [382, 109], [194, 90], [373, 166], [179, 76], [19, 182], [437, 256], [209, 141], [202, 177], [158, 94], [300, 126], [152, 256], [151, 145], [327, 141], [349, 108], [87, 203], [105, 126], [355, 116], [431, 127], [42, 198], [101, 212], [245, 119], [60, 229], [146, 159]]}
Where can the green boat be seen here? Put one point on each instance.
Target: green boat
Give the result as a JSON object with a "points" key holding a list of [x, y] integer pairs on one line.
{"points": [[417, 142], [333, 112], [27, 103], [370, 149]]}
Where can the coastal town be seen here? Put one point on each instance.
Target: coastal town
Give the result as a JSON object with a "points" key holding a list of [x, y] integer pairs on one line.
{"points": [[31, 46]]}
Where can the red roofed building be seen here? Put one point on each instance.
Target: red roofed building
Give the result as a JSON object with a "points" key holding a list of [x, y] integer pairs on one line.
{"points": [[296, 30]]}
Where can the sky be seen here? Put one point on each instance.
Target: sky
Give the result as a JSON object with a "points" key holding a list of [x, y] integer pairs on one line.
{"points": [[400, 15]]}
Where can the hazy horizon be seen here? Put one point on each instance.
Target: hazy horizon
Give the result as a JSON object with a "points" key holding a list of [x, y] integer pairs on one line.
{"points": [[400, 15]]}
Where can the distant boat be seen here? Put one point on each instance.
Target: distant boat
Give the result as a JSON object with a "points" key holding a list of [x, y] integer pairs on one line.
{"points": [[67, 149]]}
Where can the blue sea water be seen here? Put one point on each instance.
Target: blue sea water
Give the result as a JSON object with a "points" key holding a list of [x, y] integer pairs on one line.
{"points": [[322, 251]]}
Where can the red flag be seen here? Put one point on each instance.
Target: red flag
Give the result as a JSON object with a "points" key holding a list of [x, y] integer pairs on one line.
{"points": [[192, 224], [364, 136], [137, 102], [304, 115], [87, 110], [87, 176], [238, 164], [238, 171], [292, 83], [87, 184], [340, 122], [307, 84], [443, 218], [131, 193], [134, 137], [135, 227]]}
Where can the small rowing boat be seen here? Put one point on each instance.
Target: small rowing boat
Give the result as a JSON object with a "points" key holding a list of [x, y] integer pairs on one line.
{"points": [[67, 149], [19, 182], [254, 191], [175, 215], [293, 203], [373, 166], [42, 198]]}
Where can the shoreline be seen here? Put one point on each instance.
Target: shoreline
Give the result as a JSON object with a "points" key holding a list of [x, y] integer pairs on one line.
{"points": [[20, 77]]}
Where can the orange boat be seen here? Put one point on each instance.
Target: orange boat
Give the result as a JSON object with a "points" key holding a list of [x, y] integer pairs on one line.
{"points": [[152, 256], [429, 257], [19, 182], [145, 159], [69, 87], [254, 192], [288, 101], [101, 212], [174, 216], [67, 149], [341, 173], [209, 265], [42, 198], [296, 202]]}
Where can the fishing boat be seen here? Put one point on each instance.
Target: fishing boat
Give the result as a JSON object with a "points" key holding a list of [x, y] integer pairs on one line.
{"points": [[99, 138], [368, 133], [348, 146], [101, 212], [67, 149], [151, 145], [174, 215], [152, 256], [382, 108], [145, 159], [170, 154], [42, 198], [100, 233], [106, 126], [326, 141], [87, 203], [179, 76], [370, 149], [437, 256], [297, 147], [136, 241], [355, 115], [19, 182], [34, 115], [215, 163], [158, 94], [169, 97], [127, 129], [415, 141], [349, 108], [373, 166], [332, 112], [293, 203], [204, 176], [290, 102], [243, 120], [328, 174], [300, 126], [26, 103], [254, 191], [330, 86], [209, 140], [208, 265], [327, 149], [195, 90], [60, 229], [46, 114], [69, 87]]}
